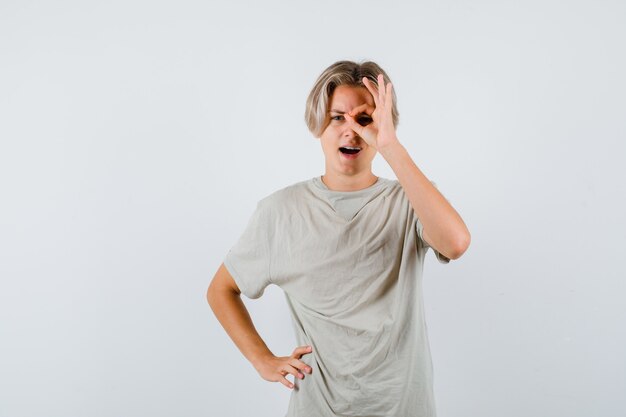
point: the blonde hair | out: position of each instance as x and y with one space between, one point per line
341 73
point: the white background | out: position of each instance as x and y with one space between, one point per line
137 137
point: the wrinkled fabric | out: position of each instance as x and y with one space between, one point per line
350 264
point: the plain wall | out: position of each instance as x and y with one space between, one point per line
137 137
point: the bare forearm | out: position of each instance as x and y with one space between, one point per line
234 317
445 227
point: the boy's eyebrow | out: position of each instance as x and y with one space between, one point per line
337 111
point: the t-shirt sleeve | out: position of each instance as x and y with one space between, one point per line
420 229
248 261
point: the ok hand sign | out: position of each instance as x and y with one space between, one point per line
381 132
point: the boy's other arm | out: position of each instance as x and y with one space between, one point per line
224 297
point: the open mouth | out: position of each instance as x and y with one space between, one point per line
349 150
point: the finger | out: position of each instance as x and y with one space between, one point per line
358 112
300 365
302 350
353 124
287 368
381 88
389 88
368 109
286 382
371 88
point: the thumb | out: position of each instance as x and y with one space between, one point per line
352 123
366 132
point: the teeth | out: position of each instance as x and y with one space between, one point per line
352 147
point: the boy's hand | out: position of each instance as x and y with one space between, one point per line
380 132
274 368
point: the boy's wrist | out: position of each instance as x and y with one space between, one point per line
391 149
260 357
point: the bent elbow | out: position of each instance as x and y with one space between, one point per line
461 246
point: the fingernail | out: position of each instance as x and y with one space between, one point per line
309 348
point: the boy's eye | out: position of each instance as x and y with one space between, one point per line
364 120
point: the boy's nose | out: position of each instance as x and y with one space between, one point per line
349 133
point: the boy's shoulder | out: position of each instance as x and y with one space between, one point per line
289 194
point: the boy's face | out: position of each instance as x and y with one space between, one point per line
337 134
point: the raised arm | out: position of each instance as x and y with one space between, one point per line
444 228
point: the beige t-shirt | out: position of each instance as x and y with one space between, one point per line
350 264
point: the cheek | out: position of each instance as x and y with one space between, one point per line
331 130
329 145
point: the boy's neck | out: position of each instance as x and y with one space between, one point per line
349 183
